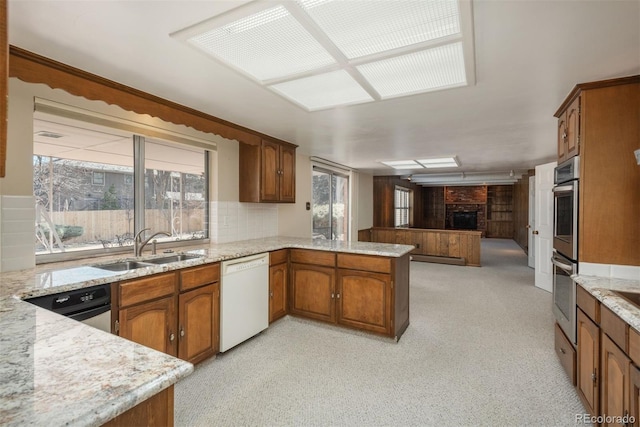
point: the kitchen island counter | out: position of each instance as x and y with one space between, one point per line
57 371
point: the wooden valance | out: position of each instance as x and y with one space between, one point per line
32 68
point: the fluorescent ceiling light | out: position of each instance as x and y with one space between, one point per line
440 162
323 91
402 164
385 48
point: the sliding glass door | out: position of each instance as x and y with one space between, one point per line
330 204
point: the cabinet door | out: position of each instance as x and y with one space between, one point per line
152 324
364 300
588 361
572 146
269 168
277 291
614 387
198 323
634 394
313 292
287 174
562 137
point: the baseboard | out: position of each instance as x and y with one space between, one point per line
439 259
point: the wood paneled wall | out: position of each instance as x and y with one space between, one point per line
4 88
383 201
521 211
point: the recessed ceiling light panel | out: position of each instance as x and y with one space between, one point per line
266 45
439 162
422 71
402 164
323 90
360 28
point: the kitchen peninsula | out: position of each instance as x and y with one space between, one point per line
61 371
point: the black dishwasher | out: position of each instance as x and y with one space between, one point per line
88 305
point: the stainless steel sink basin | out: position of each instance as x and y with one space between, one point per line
632 297
173 258
123 265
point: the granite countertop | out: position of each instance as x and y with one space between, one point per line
602 288
55 369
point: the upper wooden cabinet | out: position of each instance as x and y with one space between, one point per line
605 116
267 172
569 131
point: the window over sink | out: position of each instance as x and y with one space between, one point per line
87 199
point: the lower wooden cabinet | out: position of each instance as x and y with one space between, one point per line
155 411
364 300
634 394
277 291
198 323
588 362
614 390
364 292
566 354
313 292
177 313
152 324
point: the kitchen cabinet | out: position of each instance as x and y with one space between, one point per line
199 313
588 362
614 392
602 123
569 131
147 312
155 411
363 292
267 172
566 353
313 281
278 274
151 324
177 313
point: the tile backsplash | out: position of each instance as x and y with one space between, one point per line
231 221
629 272
17 219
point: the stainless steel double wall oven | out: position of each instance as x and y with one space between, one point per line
565 244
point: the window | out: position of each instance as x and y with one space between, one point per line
330 205
86 193
403 202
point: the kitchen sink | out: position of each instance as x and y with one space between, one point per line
632 297
123 265
173 258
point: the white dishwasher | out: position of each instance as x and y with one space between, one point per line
244 299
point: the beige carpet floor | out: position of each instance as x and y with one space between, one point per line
478 352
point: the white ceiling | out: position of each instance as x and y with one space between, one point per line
529 55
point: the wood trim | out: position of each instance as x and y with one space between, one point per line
615 327
4 88
594 85
32 68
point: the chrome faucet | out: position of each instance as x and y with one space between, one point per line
139 244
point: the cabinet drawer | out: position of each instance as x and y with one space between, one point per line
364 262
278 257
634 345
147 289
566 353
614 326
306 256
588 303
198 276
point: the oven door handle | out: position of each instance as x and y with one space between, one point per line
566 267
562 188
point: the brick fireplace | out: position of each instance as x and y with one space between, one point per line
461 200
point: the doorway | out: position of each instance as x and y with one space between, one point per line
330 204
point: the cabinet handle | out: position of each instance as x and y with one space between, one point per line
116 327
333 295
181 331
172 337
562 351
270 294
593 376
338 296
